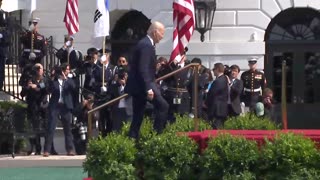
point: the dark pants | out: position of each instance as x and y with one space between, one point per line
66 116
160 109
182 108
217 122
251 99
119 116
2 68
105 123
231 112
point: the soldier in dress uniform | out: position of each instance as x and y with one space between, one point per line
101 90
254 82
34 45
175 88
4 42
203 81
68 54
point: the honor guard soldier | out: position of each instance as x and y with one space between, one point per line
34 45
102 80
68 54
175 89
254 82
203 81
4 42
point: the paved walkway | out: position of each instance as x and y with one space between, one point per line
38 168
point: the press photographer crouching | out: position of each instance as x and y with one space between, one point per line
79 131
34 87
60 105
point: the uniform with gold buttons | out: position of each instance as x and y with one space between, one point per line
34 45
254 82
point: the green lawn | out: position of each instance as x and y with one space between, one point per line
42 173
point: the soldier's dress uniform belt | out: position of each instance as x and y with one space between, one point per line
35 50
177 89
252 90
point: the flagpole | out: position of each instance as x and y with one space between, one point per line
103 53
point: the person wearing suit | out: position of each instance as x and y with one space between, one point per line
60 104
141 83
4 43
217 99
236 88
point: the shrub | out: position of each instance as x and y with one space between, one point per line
146 130
111 157
186 124
18 116
287 154
228 154
168 156
250 122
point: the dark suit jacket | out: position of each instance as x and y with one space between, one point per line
68 88
142 63
217 99
235 93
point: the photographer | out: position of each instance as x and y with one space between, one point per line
121 111
36 97
89 66
79 131
60 105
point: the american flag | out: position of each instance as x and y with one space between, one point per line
71 17
184 22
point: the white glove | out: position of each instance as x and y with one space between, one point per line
70 75
68 43
103 58
1 36
31 27
103 89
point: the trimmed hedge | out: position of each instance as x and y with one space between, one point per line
111 158
228 155
186 124
250 122
168 156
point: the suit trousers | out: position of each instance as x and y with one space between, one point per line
160 108
66 117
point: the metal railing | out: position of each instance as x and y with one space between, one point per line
194 97
15 50
14 53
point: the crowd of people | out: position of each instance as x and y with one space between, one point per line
59 94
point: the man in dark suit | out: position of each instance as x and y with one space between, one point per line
217 99
236 88
141 83
60 104
4 43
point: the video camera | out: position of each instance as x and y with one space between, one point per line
227 70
